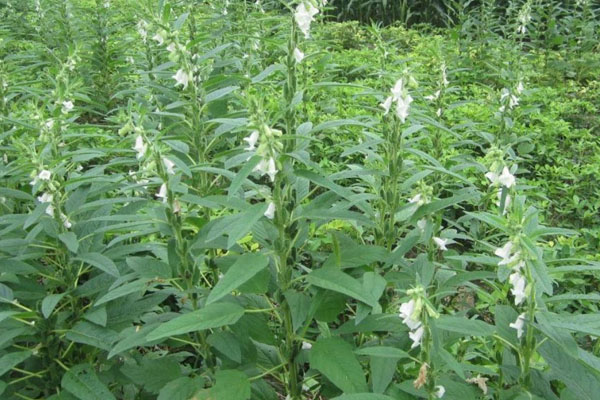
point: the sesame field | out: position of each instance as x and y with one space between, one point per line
306 200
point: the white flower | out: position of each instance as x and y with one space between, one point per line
65 220
140 146
513 101
298 55
518 283
518 325
47 198
141 28
251 140
398 89
182 78
506 178
416 337
67 106
169 166
438 112
434 96
106 4
44 175
421 224
441 243
520 87
402 106
439 391
171 48
270 213
406 313
306 346
304 16
267 167
162 193
386 105
444 76
159 38
493 177
49 124
416 199
504 252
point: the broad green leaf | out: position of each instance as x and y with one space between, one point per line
50 302
70 240
463 325
92 334
124 290
101 262
182 388
242 270
81 381
212 316
363 396
382 351
333 357
336 280
11 360
231 385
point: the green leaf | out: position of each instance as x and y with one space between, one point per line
82 382
50 302
124 290
243 173
101 262
217 94
336 280
149 268
242 270
581 380
11 360
70 240
92 334
465 326
382 351
333 357
212 316
363 396
182 388
231 385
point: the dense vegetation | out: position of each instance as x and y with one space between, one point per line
247 200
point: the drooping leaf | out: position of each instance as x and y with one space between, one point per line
242 270
81 381
334 358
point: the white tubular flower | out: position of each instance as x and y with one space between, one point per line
444 75
270 213
398 89
406 313
518 325
169 165
386 105
172 47
141 28
251 140
162 193
267 167
272 169
306 346
416 336
182 78
298 55
434 96
505 252
159 38
44 175
304 16
520 87
518 283
402 106
140 147
65 220
493 177
47 198
439 391
67 106
417 199
49 124
441 243
506 178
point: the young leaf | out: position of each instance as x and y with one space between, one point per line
81 381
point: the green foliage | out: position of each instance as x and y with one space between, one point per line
222 201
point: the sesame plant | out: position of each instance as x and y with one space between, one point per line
232 200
